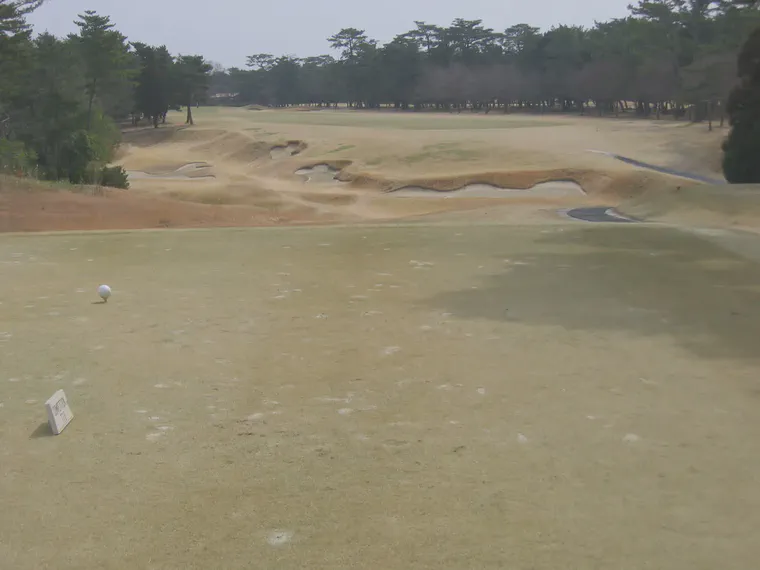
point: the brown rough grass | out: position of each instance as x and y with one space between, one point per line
699 204
449 152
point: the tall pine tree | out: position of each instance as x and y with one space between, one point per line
741 149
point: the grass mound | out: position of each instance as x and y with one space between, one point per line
702 204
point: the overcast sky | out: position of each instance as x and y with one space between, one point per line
226 31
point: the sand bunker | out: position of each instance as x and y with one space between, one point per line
548 189
320 173
191 171
291 149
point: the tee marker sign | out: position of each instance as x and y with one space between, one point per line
58 412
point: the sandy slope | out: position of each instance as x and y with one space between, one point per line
224 172
381 151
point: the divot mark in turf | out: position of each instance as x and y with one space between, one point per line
279 537
420 264
331 399
395 443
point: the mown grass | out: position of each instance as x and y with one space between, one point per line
443 151
341 148
401 120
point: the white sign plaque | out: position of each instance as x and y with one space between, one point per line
58 412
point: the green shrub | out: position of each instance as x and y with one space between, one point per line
114 176
15 158
105 136
77 155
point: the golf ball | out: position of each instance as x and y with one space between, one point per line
104 291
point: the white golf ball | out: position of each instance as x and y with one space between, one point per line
104 291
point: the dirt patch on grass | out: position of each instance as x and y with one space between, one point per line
332 199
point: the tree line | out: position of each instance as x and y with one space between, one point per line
668 56
62 99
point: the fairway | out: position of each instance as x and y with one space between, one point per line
547 396
390 119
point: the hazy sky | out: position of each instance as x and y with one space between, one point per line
226 31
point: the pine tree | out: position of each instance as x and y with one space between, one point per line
105 52
742 147
192 80
153 85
